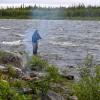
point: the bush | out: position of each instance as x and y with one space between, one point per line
37 63
7 93
44 84
88 87
11 71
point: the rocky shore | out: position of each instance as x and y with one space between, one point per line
34 79
17 62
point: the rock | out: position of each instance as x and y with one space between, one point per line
4 70
54 96
27 91
37 74
10 58
28 78
18 71
32 74
69 77
70 66
2 67
73 98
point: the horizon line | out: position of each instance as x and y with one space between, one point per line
39 5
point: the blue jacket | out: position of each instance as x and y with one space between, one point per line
35 37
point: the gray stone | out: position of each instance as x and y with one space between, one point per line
73 98
4 70
69 77
54 96
11 58
37 74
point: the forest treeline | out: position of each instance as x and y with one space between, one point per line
79 12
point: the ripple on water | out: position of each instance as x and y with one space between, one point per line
66 40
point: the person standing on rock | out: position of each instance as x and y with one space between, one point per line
35 38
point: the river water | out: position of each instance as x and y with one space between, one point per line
63 43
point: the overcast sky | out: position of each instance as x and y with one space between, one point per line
51 2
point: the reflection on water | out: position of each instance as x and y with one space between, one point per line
64 42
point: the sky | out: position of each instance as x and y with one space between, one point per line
65 3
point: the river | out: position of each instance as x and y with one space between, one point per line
64 42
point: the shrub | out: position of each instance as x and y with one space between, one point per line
7 93
36 63
88 87
44 84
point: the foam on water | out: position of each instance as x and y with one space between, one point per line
5 28
12 43
65 44
19 35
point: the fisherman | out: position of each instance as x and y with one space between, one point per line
35 38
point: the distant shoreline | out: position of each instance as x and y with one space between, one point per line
72 18
71 13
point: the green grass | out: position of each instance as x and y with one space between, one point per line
88 87
38 64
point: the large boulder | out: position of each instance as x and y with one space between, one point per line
11 59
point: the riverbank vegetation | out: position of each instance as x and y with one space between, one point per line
74 12
88 87
42 81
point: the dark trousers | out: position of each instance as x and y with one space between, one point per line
35 48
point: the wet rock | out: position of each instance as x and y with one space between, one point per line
10 58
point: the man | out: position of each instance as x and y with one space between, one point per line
35 38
